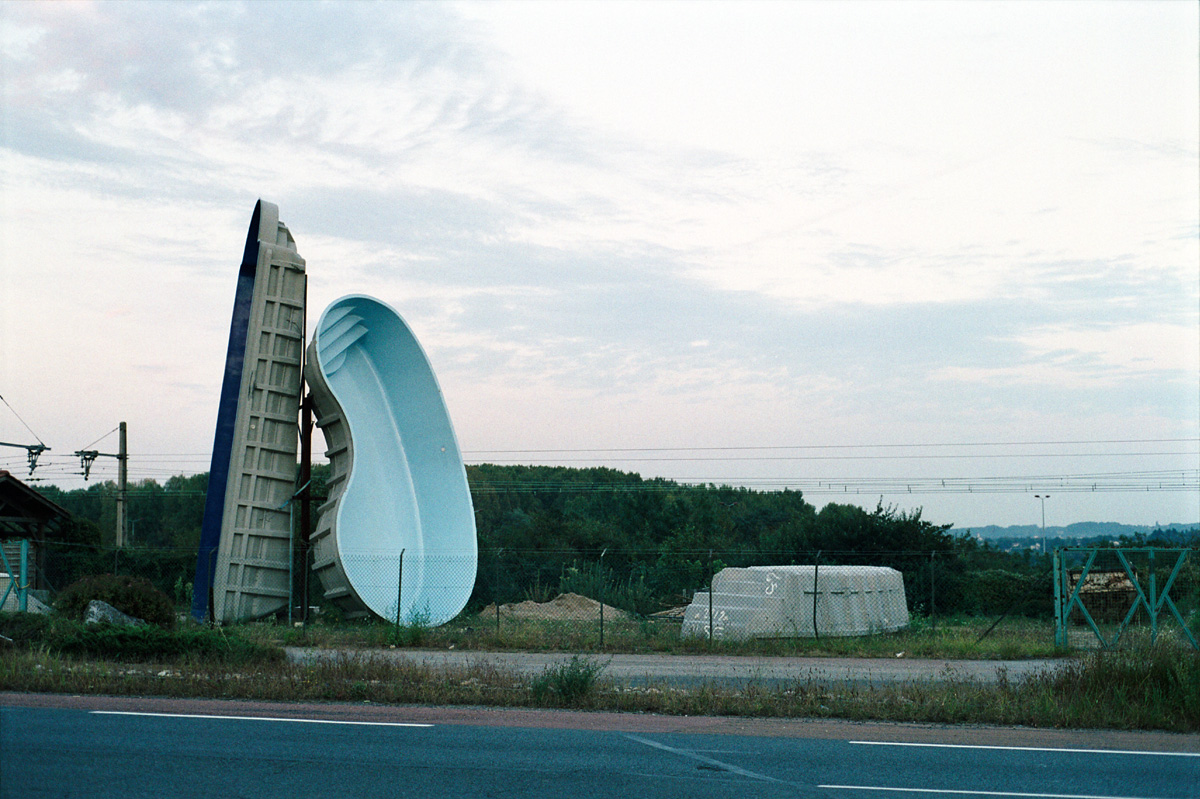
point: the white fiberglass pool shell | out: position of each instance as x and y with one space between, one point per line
397 482
798 602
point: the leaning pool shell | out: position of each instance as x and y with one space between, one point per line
397 482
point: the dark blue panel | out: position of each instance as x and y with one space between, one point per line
218 474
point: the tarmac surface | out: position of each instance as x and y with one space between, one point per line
723 670
122 747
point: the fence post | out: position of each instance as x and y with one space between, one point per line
710 593
291 558
399 593
816 574
932 591
1060 624
23 586
1152 610
212 600
496 588
602 581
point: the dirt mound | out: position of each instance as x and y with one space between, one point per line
564 607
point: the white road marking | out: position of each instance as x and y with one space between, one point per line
260 718
706 760
975 793
1031 749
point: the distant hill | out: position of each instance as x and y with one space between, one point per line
1111 530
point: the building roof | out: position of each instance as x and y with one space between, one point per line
24 513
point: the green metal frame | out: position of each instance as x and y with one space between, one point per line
18 580
1153 603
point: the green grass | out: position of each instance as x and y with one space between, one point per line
954 638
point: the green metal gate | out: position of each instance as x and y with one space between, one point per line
19 580
1105 589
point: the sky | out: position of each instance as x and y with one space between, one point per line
942 256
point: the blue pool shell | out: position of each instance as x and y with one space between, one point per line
406 486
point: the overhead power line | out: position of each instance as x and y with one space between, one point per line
962 456
22 421
757 448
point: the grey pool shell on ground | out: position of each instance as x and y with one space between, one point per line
397 482
798 602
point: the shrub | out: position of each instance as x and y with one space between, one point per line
23 628
566 683
134 644
414 631
134 596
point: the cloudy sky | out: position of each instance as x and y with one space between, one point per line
944 254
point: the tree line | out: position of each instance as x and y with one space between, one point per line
542 529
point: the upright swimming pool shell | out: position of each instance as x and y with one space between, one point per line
396 537
244 556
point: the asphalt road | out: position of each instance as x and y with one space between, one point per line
58 746
692 670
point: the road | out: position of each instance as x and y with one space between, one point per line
61 746
733 671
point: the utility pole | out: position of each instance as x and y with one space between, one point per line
1043 498
87 456
122 486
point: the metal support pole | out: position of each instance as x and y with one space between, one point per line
291 559
932 591
1060 623
306 427
602 581
496 589
816 592
399 594
1043 498
23 585
710 593
122 486
1152 608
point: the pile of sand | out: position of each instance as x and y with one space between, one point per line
564 607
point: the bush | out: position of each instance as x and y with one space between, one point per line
566 683
134 596
141 644
29 631
23 628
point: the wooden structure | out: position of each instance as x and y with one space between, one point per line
26 514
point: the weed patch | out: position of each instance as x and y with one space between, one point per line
567 683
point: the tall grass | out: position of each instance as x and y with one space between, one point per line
1156 688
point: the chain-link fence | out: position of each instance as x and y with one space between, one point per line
560 597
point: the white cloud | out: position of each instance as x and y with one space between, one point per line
766 223
1081 358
